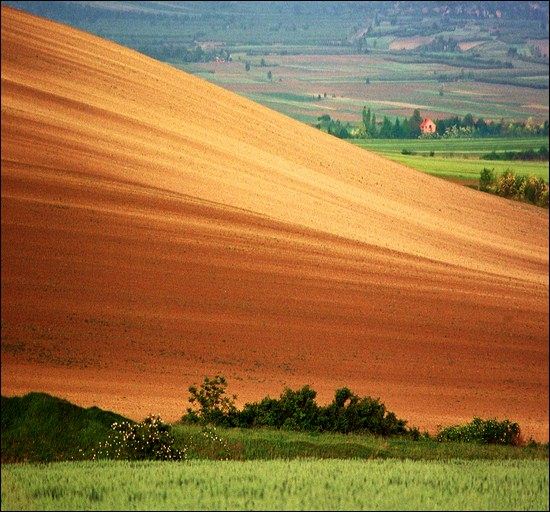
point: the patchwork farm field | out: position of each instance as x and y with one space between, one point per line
497 67
395 88
283 485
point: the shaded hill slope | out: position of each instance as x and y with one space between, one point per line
156 227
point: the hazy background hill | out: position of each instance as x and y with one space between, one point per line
446 58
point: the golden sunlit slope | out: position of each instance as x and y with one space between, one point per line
156 228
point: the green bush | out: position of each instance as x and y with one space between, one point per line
507 185
149 440
295 410
350 413
513 186
489 431
534 190
486 179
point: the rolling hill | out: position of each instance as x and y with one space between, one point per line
157 228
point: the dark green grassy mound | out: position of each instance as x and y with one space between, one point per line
38 427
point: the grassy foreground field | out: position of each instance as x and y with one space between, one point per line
459 158
282 485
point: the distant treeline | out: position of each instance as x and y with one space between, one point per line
512 81
453 127
183 53
528 154
456 60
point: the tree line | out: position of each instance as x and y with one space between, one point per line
409 127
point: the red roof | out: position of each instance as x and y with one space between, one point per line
425 122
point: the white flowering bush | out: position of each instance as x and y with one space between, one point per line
217 447
149 440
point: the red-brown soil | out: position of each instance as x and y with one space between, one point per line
409 43
157 228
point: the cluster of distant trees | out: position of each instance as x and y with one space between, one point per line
406 128
481 128
441 44
527 154
409 128
184 53
336 128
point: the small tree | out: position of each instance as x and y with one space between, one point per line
414 123
486 179
211 403
269 75
247 66
366 115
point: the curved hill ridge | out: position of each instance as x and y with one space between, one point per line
156 227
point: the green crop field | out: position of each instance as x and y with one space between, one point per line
459 158
456 147
280 485
466 169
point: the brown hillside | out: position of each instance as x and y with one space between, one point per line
157 228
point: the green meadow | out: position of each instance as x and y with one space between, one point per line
463 147
459 158
277 485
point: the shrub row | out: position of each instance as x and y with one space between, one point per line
513 186
295 410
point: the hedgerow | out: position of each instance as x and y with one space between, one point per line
295 410
513 186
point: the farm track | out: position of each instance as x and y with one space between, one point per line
156 228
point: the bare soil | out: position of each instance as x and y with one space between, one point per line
157 228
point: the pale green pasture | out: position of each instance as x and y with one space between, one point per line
459 158
474 146
467 169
